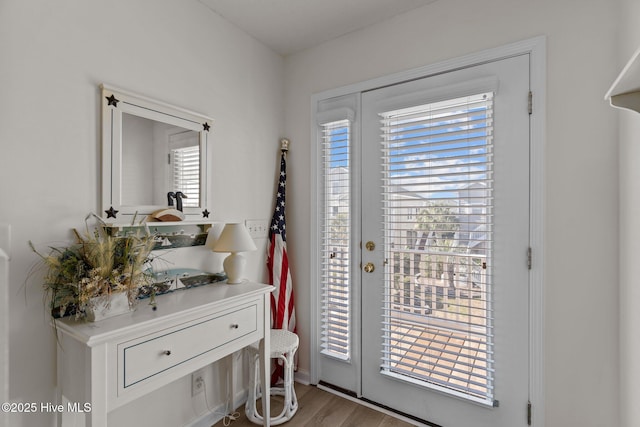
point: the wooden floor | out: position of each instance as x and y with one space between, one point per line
320 408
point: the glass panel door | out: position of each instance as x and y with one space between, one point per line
445 170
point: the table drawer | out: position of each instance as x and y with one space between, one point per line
147 357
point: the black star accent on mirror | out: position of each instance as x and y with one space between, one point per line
205 213
111 213
206 126
112 100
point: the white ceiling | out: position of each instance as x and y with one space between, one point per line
288 26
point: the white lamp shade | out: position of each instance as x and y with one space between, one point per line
234 238
213 235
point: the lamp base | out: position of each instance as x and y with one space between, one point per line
234 267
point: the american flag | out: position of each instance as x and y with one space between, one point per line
283 314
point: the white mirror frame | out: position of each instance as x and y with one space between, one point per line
115 103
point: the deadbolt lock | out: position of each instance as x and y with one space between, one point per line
370 245
369 267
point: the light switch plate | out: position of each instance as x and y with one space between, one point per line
258 228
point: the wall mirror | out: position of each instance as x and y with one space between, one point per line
149 150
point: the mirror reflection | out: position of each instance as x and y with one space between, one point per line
158 158
154 157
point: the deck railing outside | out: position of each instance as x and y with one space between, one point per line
447 286
438 314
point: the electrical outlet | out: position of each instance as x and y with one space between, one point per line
197 382
258 228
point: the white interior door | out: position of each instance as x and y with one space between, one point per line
444 287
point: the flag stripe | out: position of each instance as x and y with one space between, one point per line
283 284
270 267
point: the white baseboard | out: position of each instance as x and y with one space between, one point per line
302 377
210 418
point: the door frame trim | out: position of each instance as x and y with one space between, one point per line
536 48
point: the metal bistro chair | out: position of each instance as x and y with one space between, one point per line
283 346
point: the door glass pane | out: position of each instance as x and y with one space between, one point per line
437 201
336 232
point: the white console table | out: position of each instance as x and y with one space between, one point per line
109 363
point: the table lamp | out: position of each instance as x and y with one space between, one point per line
234 238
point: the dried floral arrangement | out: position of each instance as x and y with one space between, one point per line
96 265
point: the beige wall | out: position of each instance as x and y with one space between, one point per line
629 174
581 193
54 56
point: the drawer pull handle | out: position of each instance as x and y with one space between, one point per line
167 352
235 326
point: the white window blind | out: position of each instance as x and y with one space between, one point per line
437 194
335 217
185 165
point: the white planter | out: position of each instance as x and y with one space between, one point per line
108 306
